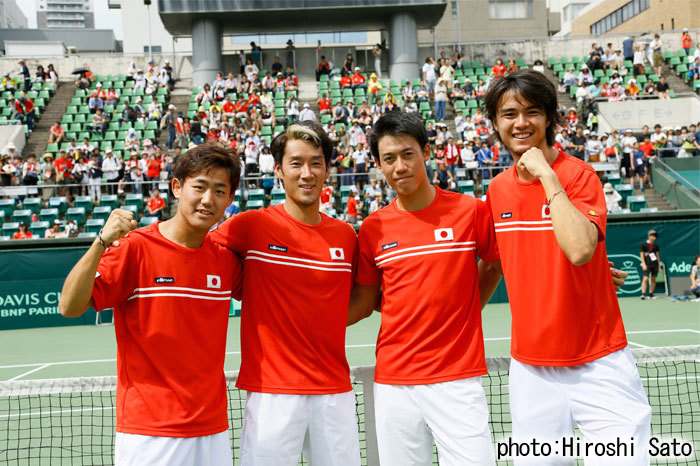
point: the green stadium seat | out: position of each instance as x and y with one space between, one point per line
675 61
256 204
52 147
84 202
613 179
134 200
636 203
278 193
33 204
78 214
101 212
668 54
9 228
625 190
39 228
111 200
648 210
22 215
466 186
59 203
256 194
94 225
7 206
145 221
87 234
131 208
48 215
275 202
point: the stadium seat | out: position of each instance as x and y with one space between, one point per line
647 210
636 203
77 214
465 187
39 228
22 215
9 228
33 204
5 238
94 225
135 200
256 204
145 221
48 215
102 212
110 200
7 206
59 203
485 186
625 190
275 202
87 234
84 202
278 193
256 194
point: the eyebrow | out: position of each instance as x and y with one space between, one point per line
400 151
509 109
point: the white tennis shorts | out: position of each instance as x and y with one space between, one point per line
604 397
277 428
452 414
208 450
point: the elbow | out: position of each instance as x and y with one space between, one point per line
582 255
68 310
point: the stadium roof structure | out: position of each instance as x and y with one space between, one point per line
260 16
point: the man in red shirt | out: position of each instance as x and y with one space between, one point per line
96 99
155 205
430 348
63 166
29 112
686 41
228 108
345 81
570 360
293 363
324 104
241 107
358 80
171 298
352 206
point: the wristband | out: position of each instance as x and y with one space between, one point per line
549 202
99 238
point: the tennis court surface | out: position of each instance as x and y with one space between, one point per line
58 384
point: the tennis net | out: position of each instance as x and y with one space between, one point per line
71 421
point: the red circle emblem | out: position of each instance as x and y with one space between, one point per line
443 234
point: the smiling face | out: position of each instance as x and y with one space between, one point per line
402 161
303 172
520 124
203 198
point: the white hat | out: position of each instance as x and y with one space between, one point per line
357 68
306 105
167 61
99 84
11 145
608 188
585 131
108 150
171 107
628 130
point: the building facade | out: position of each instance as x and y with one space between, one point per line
621 16
65 14
569 10
11 17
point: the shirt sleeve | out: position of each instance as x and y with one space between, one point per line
586 194
232 234
486 245
367 271
117 275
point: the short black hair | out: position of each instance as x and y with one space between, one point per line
205 157
394 124
307 131
533 87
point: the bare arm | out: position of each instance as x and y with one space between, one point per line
490 274
641 257
76 296
363 300
577 236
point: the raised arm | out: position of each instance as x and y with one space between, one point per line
363 300
76 296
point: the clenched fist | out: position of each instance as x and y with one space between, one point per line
119 223
534 162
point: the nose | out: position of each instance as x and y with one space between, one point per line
520 120
207 197
306 171
400 164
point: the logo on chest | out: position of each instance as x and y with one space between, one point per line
545 211
213 281
337 254
389 245
444 234
274 247
507 215
165 280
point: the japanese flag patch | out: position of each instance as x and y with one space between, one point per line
545 211
337 254
444 234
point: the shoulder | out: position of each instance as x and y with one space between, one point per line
573 167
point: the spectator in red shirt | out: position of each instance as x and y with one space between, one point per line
324 105
153 168
358 80
512 65
352 207
324 67
228 108
156 205
63 167
254 100
241 107
498 70
22 232
345 81
56 133
686 41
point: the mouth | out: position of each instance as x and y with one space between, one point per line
521 136
203 213
307 188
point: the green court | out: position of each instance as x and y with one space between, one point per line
71 421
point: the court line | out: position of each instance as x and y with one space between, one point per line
29 372
43 365
637 344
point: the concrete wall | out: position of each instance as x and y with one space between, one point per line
635 114
661 15
476 25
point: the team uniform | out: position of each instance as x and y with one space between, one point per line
170 320
430 348
296 289
570 356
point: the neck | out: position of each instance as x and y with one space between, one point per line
418 200
308 214
550 155
179 232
